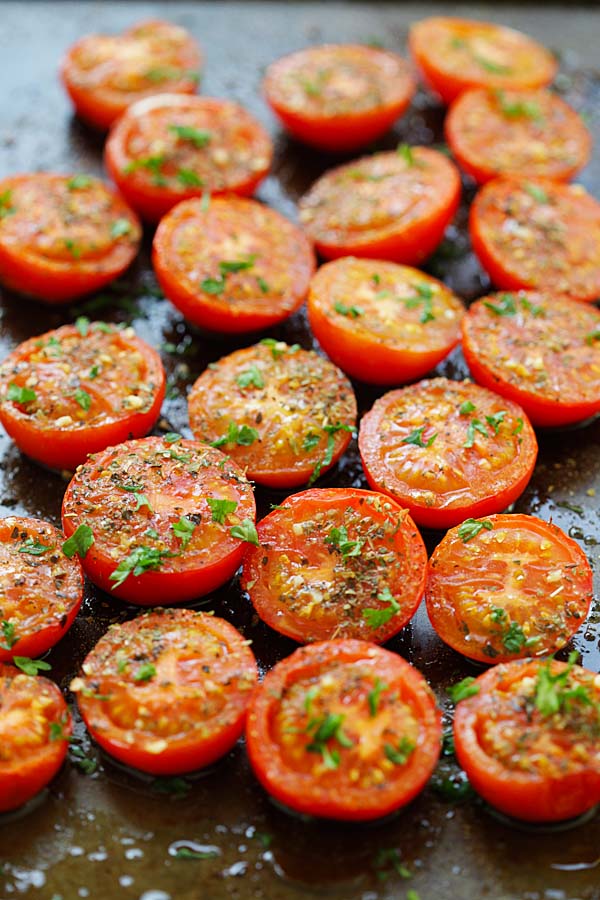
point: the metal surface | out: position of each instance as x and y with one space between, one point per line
112 833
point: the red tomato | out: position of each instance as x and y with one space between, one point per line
35 726
392 206
339 562
541 350
447 450
528 739
167 692
380 322
233 265
78 389
538 234
344 730
206 146
41 589
507 586
532 133
339 96
63 236
284 414
159 520
457 54
103 74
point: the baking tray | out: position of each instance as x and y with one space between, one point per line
112 834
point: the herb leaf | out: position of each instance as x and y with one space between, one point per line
338 538
246 531
470 528
330 431
220 509
79 543
242 435
399 755
184 529
31 666
198 137
120 227
463 689
141 559
416 438
10 638
505 305
378 617
351 311
145 672
22 395
83 399
251 377
34 548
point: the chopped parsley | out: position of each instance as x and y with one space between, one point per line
338 538
141 559
374 695
120 227
220 509
79 182
197 136
470 528
330 431
6 207
189 178
79 543
553 693
184 529
400 754
146 672
505 305
351 311
34 548
463 689
246 531
31 666
535 191
8 632
323 729
406 152
251 377
416 438
18 394
378 617
83 399
242 435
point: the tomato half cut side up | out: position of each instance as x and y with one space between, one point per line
507 586
527 738
104 74
159 520
337 562
457 54
338 96
540 350
41 588
207 146
393 206
343 730
380 322
284 414
167 692
516 133
232 265
78 389
539 235
63 236
447 450
35 726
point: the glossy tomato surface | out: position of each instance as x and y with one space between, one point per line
282 413
338 96
207 146
541 350
381 322
63 236
35 725
41 588
457 54
105 73
78 389
507 586
447 450
344 730
522 133
336 562
528 739
368 207
538 234
162 520
167 692
232 265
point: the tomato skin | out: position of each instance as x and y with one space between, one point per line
359 121
527 795
173 491
332 794
41 593
557 334
66 445
563 260
434 41
100 104
283 255
380 351
148 120
463 486
175 653
30 758
32 259
487 594
547 140
400 231
396 561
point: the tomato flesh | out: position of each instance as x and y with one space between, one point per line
339 562
527 761
35 726
81 389
344 730
167 692
380 322
147 505
234 266
447 450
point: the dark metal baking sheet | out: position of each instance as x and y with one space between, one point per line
111 834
